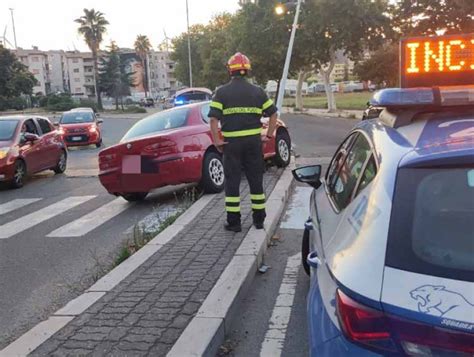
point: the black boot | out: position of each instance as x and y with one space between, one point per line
258 218
235 227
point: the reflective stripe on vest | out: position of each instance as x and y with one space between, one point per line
267 104
242 110
217 105
239 133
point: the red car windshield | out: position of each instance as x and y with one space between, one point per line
77 118
7 129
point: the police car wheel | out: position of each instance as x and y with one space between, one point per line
283 149
305 251
134 196
212 173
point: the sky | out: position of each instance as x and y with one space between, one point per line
49 24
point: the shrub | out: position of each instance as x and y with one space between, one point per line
17 103
88 103
134 109
60 102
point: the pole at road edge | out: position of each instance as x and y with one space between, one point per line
189 48
286 68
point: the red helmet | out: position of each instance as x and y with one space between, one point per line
238 62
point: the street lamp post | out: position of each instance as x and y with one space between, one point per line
286 68
189 48
14 30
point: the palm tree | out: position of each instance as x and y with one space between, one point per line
92 26
142 48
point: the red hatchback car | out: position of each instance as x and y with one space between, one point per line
80 127
173 147
29 145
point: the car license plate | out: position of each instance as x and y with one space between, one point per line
132 164
76 138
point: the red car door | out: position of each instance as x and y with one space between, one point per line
31 150
49 147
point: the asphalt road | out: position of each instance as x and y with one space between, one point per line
58 233
44 261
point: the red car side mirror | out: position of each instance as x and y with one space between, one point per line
31 137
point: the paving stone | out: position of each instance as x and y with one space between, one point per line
147 312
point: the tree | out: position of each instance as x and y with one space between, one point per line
113 78
180 55
92 26
382 68
15 79
350 26
142 48
427 17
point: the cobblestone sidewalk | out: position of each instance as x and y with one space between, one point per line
147 312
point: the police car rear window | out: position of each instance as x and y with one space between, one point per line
432 224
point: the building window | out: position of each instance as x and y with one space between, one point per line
35 59
78 90
76 70
75 60
77 79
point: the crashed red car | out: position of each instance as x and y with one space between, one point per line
174 147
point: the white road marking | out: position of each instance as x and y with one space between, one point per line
22 224
298 209
272 345
92 220
16 204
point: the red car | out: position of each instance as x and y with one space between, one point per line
173 147
80 127
29 145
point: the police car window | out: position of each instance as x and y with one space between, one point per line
204 111
432 230
369 174
44 125
338 160
350 172
169 119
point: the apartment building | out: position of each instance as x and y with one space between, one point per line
73 72
161 69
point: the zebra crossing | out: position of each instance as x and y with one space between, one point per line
76 228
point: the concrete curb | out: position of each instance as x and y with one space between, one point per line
206 331
35 337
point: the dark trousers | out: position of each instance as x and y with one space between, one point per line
244 153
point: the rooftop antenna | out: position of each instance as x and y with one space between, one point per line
166 41
14 31
4 38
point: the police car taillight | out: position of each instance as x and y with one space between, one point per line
378 331
363 325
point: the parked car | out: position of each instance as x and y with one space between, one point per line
147 102
371 112
80 127
389 242
192 95
29 145
173 147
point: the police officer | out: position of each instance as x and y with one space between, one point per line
239 106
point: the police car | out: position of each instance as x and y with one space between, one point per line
390 241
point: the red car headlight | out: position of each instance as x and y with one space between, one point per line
93 129
4 152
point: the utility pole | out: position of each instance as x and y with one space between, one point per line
289 52
14 30
189 48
